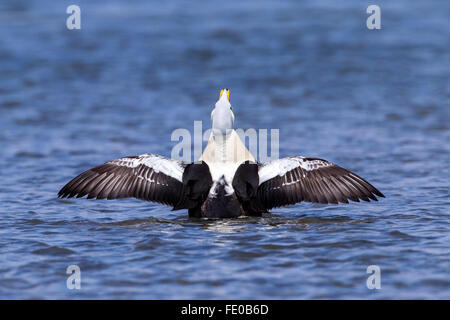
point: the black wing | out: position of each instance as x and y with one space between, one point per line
147 177
295 179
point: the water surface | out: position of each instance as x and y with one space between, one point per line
375 102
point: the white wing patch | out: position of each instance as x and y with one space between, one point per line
171 168
280 167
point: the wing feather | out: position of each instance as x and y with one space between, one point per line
295 179
147 177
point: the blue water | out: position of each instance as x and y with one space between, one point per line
375 102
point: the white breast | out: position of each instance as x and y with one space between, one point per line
224 154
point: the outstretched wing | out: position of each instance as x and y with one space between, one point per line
147 177
290 180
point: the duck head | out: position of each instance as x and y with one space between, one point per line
222 117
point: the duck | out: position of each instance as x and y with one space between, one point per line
226 182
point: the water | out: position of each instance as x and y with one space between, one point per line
376 102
